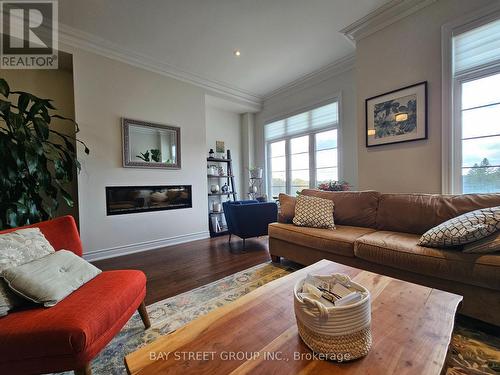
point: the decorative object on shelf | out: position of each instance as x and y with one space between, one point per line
216 207
220 170
212 170
255 185
215 224
220 149
225 188
335 186
397 116
36 162
163 143
256 172
211 153
214 188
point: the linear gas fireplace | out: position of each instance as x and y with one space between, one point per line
132 199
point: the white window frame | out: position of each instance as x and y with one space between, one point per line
312 145
451 181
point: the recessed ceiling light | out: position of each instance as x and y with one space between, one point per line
237 52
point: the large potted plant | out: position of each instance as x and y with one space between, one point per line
36 161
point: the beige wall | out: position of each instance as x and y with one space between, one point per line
56 85
402 54
105 91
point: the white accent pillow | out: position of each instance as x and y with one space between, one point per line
16 248
50 279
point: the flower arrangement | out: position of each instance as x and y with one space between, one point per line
334 186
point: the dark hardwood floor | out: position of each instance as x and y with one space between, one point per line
179 268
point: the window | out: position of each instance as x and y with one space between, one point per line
302 150
476 114
480 117
326 156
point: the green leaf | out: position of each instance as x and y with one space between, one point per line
59 169
67 198
23 101
48 103
41 128
12 218
4 87
4 106
31 161
35 109
45 114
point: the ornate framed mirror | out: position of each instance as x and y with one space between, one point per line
150 145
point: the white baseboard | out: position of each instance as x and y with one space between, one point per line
143 246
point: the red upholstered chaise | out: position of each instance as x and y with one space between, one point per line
69 335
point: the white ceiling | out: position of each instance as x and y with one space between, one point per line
280 40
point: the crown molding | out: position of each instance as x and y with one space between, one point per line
382 17
335 68
69 36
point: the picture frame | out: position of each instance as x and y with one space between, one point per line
397 116
150 145
219 147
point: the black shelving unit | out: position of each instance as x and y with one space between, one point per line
230 195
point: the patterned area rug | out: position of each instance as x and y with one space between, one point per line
471 351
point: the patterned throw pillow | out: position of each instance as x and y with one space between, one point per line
463 229
486 245
16 248
314 212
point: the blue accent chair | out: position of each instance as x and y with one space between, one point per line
247 219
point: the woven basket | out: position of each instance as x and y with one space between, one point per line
337 333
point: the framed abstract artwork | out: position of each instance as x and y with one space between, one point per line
397 116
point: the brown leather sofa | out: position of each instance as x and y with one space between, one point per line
379 232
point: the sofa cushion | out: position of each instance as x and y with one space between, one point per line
82 323
287 208
354 208
401 251
338 241
417 213
490 244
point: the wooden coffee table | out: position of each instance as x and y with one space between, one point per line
411 328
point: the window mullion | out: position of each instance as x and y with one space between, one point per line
312 160
288 166
457 139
